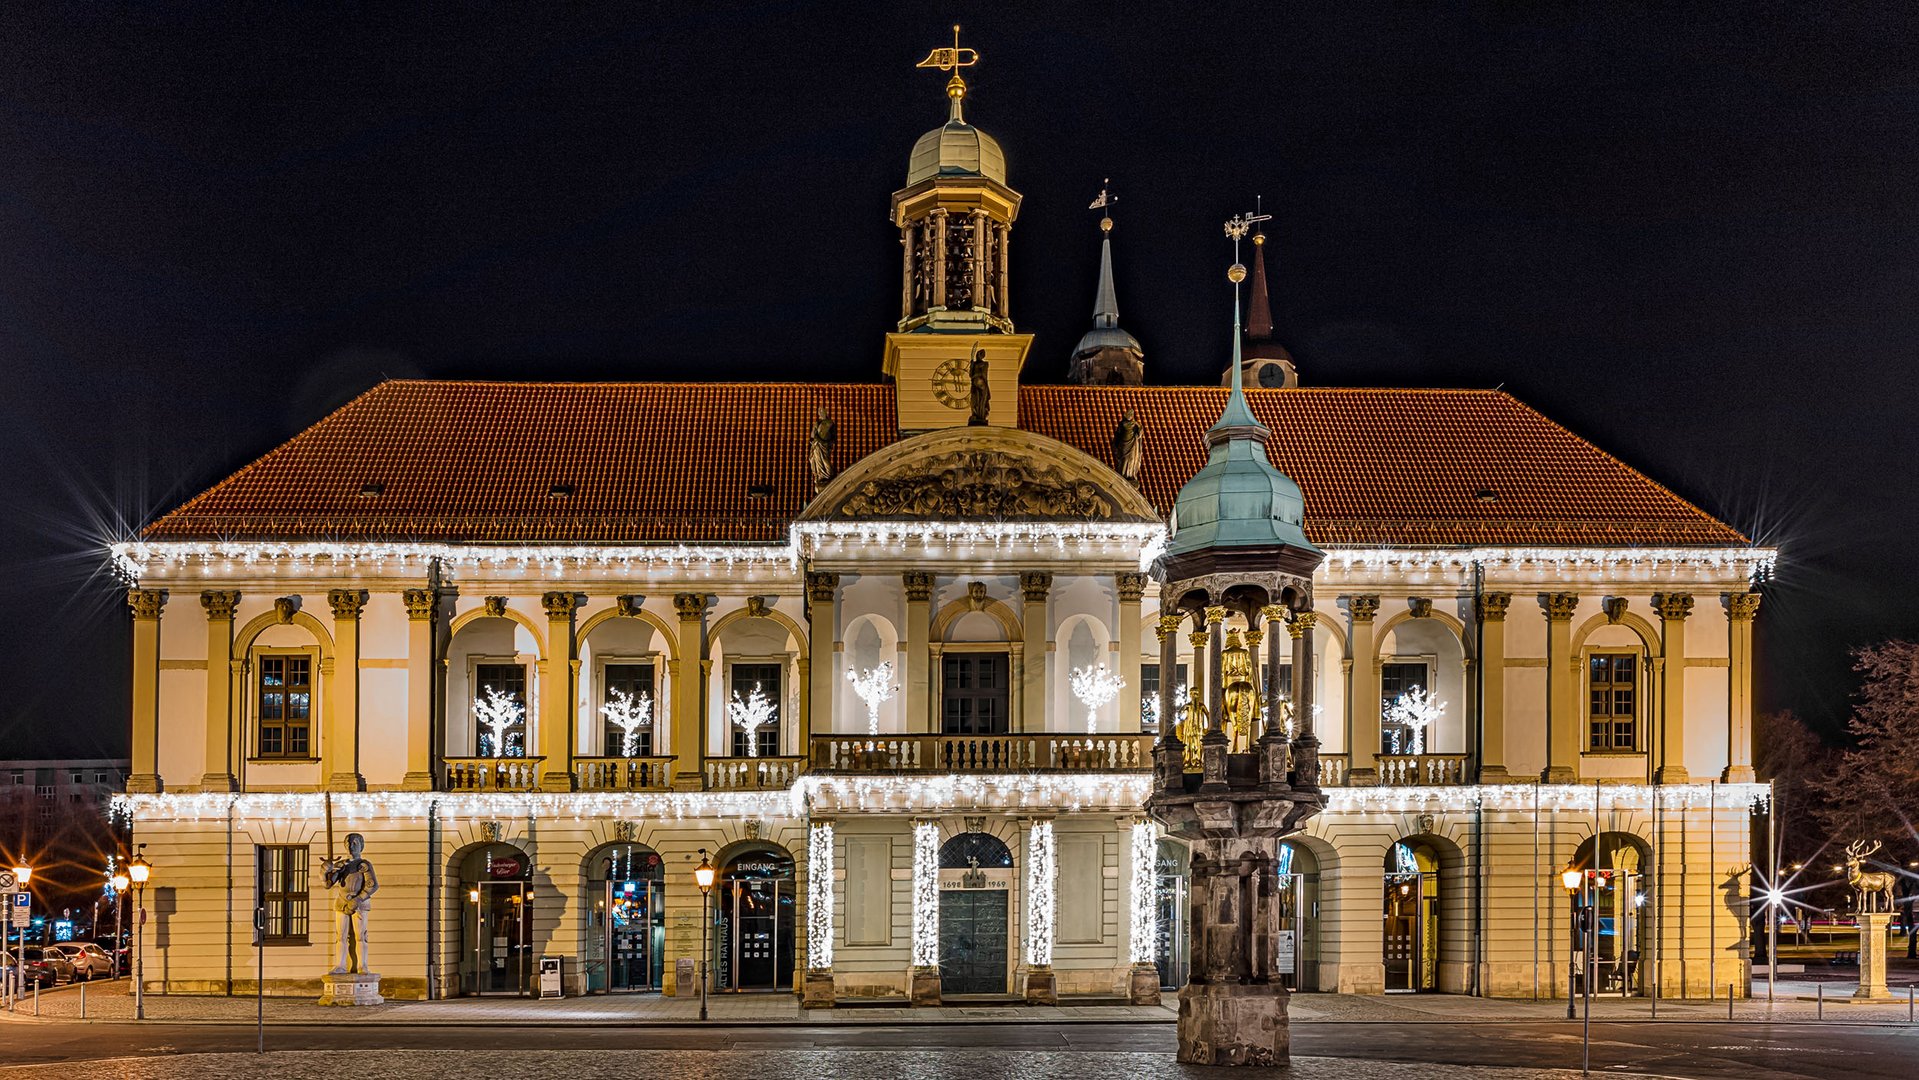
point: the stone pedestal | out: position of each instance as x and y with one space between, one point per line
1041 987
816 990
1233 1024
1142 988
926 986
337 988
1872 957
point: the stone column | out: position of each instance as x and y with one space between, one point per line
1562 690
1003 294
1168 752
1034 585
982 248
1279 634
341 750
1306 728
219 605
1215 747
906 272
1872 956
919 651
1740 609
1363 704
689 718
1197 691
1132 588
823 602
146 604
556 692
939 258
1492 702
1673 608
421 609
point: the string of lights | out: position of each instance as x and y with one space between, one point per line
819 896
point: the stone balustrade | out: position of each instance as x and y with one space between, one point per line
622 773
1332 770
753 773
1039 752
493 774
1422 770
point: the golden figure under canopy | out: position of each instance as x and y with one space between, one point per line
1192 728
1242 694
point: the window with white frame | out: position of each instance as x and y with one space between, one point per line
1612 680
285 704
635 679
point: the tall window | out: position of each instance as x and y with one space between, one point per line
286 705
1614 682
1395 679
1149 692
975 695
635 680
509 679
744 678
283 892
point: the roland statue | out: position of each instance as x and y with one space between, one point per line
357 882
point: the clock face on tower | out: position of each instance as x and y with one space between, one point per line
953 384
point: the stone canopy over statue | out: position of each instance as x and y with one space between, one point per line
352 981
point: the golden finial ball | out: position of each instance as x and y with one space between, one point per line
1105 224
1259 239
1236 273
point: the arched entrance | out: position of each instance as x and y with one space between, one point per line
626 919
1171 879
1623 919
976 877
496 924
754 921
1412 917
1298 944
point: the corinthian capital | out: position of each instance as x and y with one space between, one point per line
146 603
1363 607
1672 606
691 606
1132 586
1034 585
1492 606
919 585
821 587
419 604
346 603
1742 605
220 603
560 605
1559 606
1168 625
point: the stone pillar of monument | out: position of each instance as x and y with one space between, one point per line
1873 944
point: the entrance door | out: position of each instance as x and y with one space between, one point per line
1170 901
635 935
756 936
973 941
504 943
1403 944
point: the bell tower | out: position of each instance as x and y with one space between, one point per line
955 217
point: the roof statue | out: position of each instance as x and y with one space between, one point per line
1106 355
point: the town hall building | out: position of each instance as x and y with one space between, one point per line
893 659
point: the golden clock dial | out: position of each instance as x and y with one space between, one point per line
953 384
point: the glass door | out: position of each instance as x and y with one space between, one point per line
503 938
756 935
635 935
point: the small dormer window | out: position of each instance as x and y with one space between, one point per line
372 490
560 491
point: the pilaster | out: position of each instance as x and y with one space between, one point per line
1741 608
146 605
689 716
1491 610
1363 703
1673 609
822 605
340 753
919 655
421 609
1131 589
556 692
1562 689
219 605
1034 586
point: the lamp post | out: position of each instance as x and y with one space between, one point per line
120 881
703 877
22 873
138 870
1571 879
479 937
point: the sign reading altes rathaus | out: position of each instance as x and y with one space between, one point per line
964 684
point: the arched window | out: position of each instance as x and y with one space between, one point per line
975 849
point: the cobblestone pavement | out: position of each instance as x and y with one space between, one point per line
839 1064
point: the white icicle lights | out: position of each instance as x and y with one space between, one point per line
1042 875
1144 936
1094 686
629 713
498 713
750 714
819 896
926 894
875 687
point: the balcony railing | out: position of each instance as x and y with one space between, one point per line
493 774
753 774
1043 752
622 774
1332 770
1422 770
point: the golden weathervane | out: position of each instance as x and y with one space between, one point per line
952 60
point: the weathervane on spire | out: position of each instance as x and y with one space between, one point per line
952 60
1236 228
1104 201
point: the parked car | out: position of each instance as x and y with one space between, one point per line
117 950
44 967
89 960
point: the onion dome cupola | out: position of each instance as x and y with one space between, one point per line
1106 355
955 216
1266 363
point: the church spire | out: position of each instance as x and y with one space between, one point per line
1266 363
1106 355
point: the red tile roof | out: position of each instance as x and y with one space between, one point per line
726 463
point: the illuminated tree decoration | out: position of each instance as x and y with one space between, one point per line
1094 686
751 714
819 896
1042 874
1145 923
926 894
499 712
628 713
1416 712
875 687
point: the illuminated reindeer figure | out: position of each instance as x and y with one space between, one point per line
1867 883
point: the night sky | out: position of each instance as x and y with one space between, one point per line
1690 237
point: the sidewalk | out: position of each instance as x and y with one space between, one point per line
1795 1003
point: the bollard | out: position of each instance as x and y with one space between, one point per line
1908 1004
1729 989
36 997
83 999
1821 1014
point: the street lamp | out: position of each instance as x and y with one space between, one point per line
138 870
1571 879
22 873
703 877
120 882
